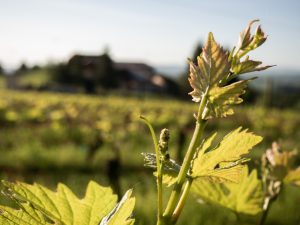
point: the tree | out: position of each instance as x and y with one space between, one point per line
22 69
1 70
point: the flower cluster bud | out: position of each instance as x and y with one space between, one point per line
163 144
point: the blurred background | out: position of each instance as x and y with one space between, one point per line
76 75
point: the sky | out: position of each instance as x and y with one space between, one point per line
158 32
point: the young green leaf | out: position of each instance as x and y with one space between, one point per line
206 77
247 66
247 43
244 197
221 98
212 67
223 162
39 205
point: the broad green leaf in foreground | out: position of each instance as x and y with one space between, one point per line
39 205
245 197
224 161
205 78
220 163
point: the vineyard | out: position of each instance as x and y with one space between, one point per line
50 138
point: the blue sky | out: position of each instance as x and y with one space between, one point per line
159 32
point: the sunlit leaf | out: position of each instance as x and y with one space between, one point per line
224 161
121 212
247 66
205 79
39 205
221 98
244 197
249 42
212 67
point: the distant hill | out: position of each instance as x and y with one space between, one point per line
280 77
172 71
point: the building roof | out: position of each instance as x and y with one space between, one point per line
139 69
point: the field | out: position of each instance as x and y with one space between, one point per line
50 138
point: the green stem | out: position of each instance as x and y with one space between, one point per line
182 200
245 52
267 205
159 192
175 195
238 218
265 213
159 174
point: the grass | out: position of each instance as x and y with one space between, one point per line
35 79
45 138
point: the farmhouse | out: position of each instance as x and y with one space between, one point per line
128 76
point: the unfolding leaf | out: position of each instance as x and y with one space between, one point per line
244 197
249 42
212 67
247 66
245 37
205 79
42 206
224 161
221 98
